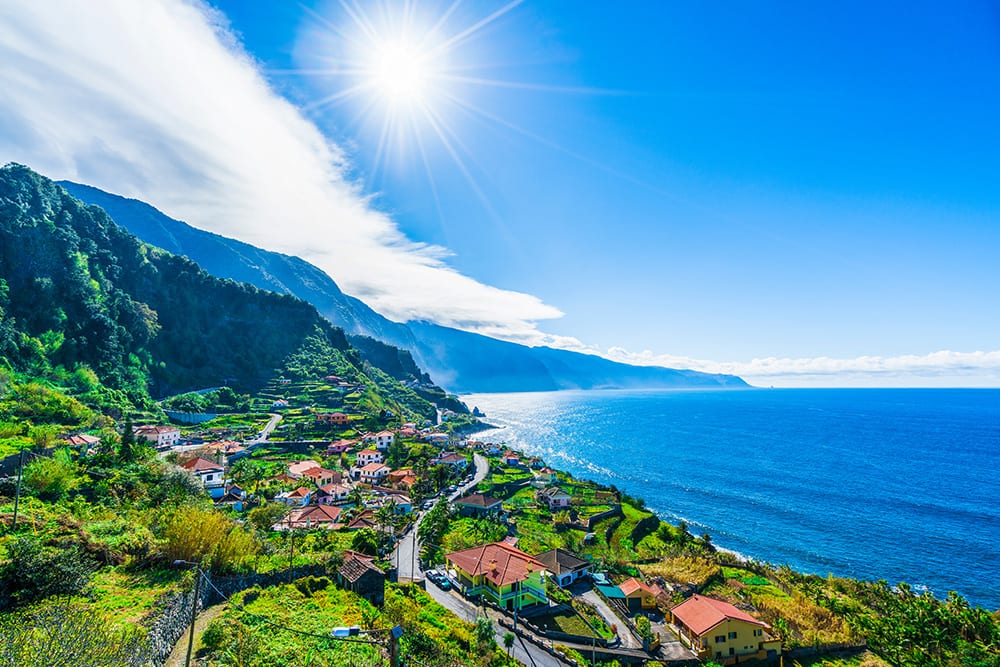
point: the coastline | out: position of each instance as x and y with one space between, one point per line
769 513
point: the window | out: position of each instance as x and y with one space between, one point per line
732 635
758 633
732 651
720 639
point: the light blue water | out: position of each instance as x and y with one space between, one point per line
894 484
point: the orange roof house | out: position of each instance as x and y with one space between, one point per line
501 572
723 632
638 594
314 516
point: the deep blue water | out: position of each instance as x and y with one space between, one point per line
894 484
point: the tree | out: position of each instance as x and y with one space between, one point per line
483 633
365 541
177 486
508 642
126 450
267 515
245 472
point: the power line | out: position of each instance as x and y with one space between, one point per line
242 609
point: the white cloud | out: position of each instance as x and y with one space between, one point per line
156 100
937 369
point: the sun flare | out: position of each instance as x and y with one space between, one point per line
400 72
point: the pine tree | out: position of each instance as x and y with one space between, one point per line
126 450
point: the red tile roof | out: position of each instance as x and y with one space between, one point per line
701 614
500 563
314 515
82 439
478 500
320 473
373 467
201 465
630 586
364 520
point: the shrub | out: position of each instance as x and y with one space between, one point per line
67 633
34 572
52 478
206 536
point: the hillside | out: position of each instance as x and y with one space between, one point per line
460 361
78 291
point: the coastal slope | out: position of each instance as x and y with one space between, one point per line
457 360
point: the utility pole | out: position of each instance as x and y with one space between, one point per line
194 606
17 494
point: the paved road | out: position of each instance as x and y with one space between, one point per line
407 553
523 652
266 431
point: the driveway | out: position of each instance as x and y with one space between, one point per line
625 636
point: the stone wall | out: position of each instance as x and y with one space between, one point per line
167 625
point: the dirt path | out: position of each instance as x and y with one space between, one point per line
179 653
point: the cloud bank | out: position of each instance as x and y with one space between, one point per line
944 368
157 100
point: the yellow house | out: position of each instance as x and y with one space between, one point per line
719 631
638 595
501 573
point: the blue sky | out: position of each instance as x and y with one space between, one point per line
797 192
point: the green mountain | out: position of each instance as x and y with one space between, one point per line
78 291
461 361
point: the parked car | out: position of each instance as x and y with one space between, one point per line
438 578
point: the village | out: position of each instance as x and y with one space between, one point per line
490 532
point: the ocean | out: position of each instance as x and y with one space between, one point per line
893 484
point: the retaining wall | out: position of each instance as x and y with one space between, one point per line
167 625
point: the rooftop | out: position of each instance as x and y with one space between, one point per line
499 562
478 500
560 561
701 614
201 465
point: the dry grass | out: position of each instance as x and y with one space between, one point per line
684 569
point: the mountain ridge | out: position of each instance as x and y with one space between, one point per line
80 294
461 361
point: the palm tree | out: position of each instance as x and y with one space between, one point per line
508 642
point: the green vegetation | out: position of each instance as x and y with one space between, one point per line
266 626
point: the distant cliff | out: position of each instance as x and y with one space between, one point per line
457 360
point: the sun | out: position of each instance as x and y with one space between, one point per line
400 72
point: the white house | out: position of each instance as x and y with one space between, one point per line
333 494
564 566
210 473
554 497
374 473
382 440
160 437
300 497
367 456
